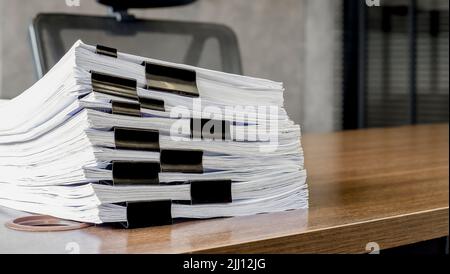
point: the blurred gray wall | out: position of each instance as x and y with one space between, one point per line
292 41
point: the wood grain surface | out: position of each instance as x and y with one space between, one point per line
387 186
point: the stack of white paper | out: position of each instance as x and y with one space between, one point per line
105 130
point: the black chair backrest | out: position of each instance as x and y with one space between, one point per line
206 45
139 4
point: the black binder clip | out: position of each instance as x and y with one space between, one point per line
210 129
135 173
145 214
211 192
136 139
114 85
184 161
126 108
107 51
134 108
125 88
171 79
154 104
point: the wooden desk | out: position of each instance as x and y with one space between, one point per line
388 186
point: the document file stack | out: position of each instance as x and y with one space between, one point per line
108 137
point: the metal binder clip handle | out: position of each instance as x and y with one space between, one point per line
211 192
135 173
107 51
126 108
184 161
114 85
210 129
145 214
171 79
136 139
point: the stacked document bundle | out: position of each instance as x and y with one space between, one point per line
108 137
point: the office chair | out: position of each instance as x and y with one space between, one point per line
207 45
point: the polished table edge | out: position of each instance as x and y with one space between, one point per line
408 229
